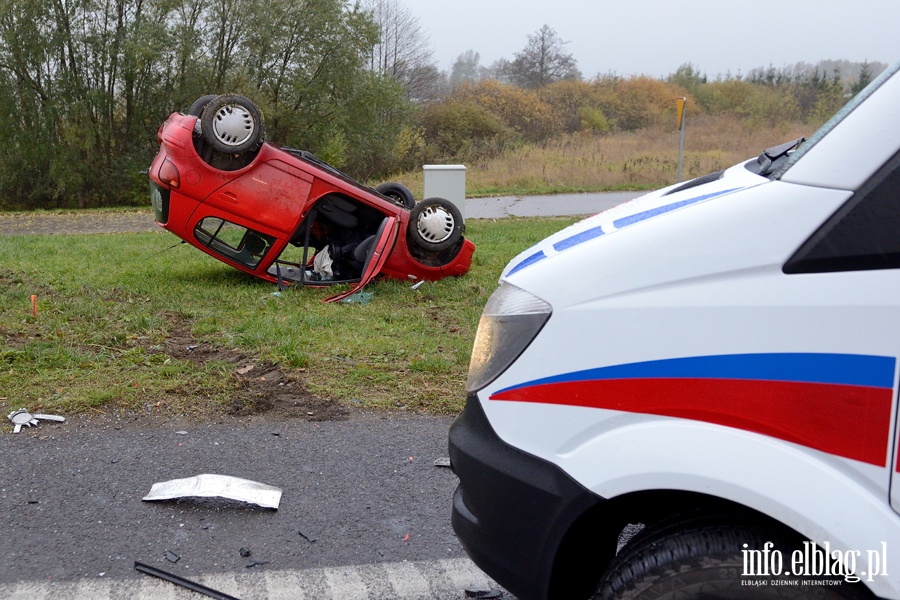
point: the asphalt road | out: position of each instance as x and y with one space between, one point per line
544 206
74 222
372 506
373 509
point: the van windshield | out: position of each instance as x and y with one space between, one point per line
837 118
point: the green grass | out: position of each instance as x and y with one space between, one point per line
113 310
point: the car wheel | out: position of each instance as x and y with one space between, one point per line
231 124
199 104
702 559
435 224
397 192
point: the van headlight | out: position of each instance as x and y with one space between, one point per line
512 318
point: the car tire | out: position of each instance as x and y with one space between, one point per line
435 224
231 124
702 558
196 109
397 192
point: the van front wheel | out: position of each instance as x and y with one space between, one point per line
701 559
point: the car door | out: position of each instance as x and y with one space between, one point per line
376 257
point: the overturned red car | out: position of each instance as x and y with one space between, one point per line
287 217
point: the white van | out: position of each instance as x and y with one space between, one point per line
694 395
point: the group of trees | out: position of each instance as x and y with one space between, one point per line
84 85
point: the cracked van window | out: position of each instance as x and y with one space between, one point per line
233 241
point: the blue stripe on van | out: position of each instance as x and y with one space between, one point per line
537 256
578 238
839 369
659 210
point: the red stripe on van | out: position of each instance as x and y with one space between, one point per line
845 420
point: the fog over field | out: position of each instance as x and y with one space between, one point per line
655 37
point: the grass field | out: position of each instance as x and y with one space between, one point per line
640 160
126 323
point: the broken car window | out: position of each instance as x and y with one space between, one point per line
233 241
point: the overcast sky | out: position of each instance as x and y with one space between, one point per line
655 37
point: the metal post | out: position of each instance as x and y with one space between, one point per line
680 102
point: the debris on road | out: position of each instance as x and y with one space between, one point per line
307 534
245 552
255 563
171 556
23 417
490 593
223 486
442 462
185 583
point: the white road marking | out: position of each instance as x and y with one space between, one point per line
446 579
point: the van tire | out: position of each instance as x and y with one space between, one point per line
701 559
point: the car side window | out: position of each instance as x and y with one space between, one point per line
864 234
233 241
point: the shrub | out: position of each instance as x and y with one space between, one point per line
569 100
463 129
522 110
593 119
760 105
636 102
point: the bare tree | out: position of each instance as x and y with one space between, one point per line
542 61
403 51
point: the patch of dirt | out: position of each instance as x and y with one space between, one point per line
261 387
76 222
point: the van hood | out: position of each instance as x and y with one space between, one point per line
630 214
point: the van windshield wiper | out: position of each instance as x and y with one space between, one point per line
770 157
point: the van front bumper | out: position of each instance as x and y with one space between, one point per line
511 510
